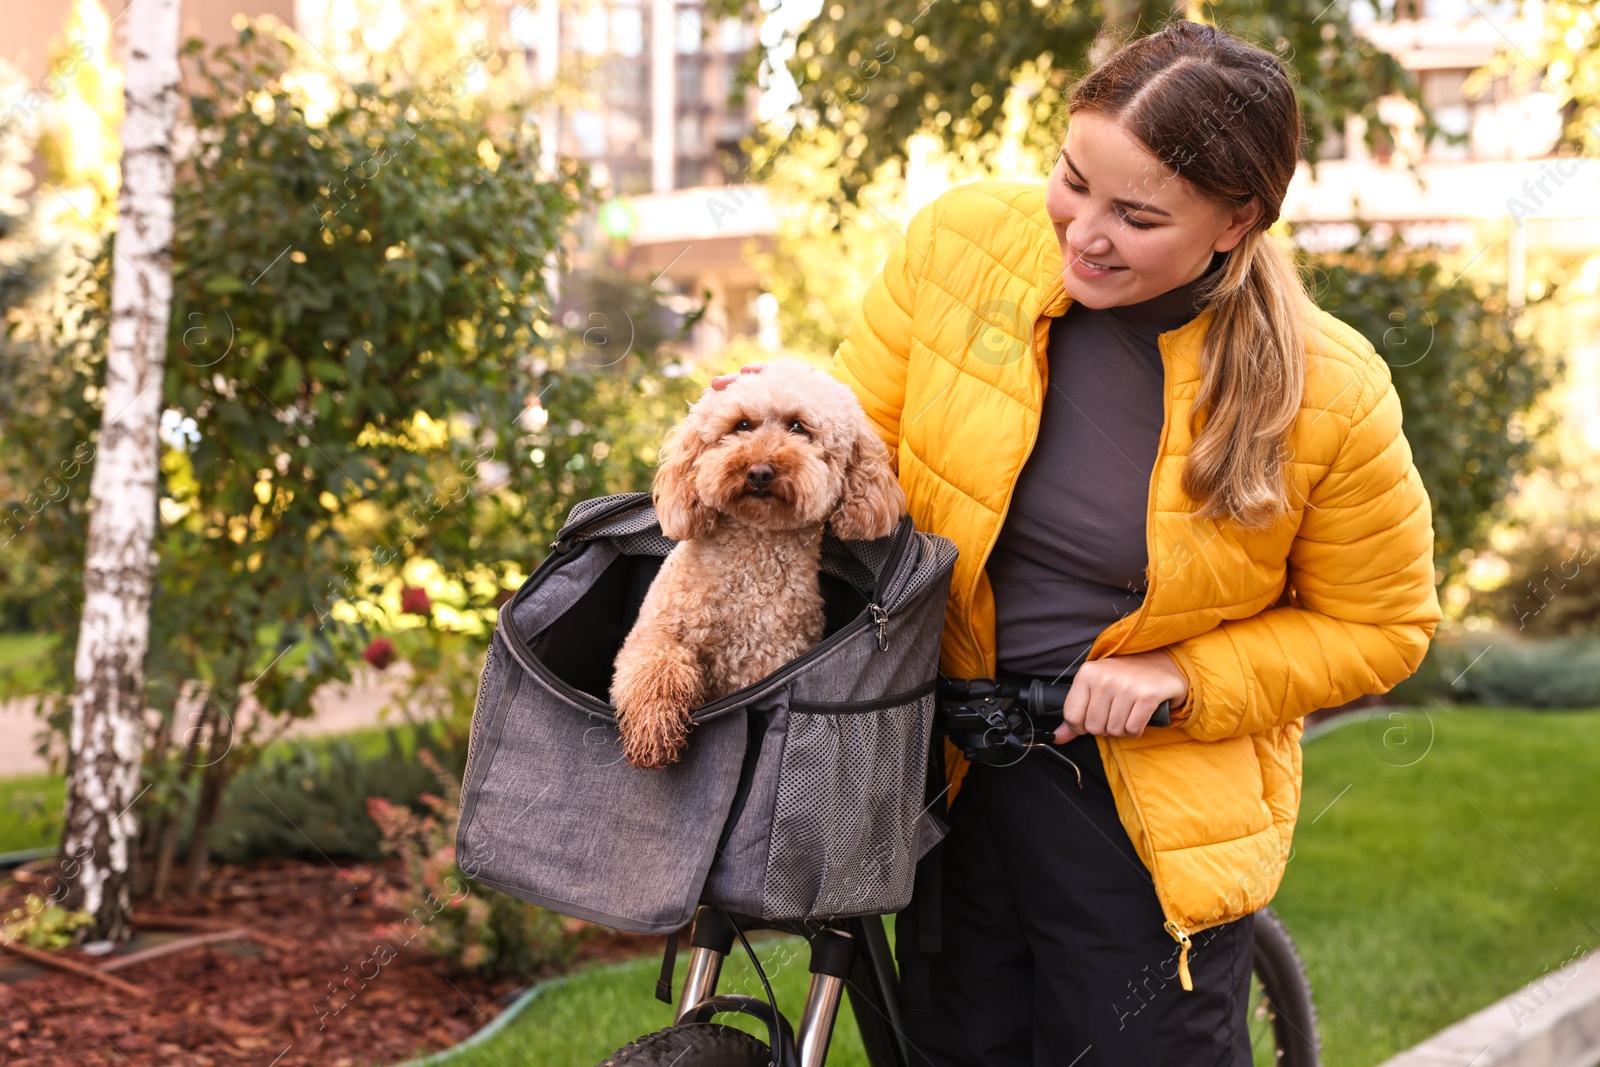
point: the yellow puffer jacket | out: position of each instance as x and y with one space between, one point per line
948 356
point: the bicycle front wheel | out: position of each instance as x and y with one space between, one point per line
693 1045
1283 1019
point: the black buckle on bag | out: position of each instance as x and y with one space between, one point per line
669 960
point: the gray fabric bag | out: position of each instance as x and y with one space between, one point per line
798 797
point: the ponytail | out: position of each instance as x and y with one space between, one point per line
1223 115
1252 380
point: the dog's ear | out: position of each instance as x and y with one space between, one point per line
871 501
682 513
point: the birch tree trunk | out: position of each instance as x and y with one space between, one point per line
108 699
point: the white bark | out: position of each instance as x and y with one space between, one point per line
108 698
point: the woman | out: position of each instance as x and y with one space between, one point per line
1171 477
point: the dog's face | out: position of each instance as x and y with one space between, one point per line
784 448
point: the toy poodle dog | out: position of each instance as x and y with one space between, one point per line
745 483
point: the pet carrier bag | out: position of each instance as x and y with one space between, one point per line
800 796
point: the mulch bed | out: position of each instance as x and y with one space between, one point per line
265 1002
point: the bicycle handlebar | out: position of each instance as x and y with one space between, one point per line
986 716
1039 700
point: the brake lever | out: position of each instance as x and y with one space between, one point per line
1058 754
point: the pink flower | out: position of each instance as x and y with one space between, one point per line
380 653
414 601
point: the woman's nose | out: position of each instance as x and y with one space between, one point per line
1087 236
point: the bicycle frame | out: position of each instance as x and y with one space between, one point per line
849 956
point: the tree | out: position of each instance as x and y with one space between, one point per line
1467 377
876 73
368 388
25 254
108 701
1568 56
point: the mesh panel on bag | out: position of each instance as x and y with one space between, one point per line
844 833
937 555
583 509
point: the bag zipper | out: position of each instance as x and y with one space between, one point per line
847 707
875 614
624 502
474 733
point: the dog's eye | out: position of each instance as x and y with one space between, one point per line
741 425
796 426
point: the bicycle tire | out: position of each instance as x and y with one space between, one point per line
693 1045
1286 993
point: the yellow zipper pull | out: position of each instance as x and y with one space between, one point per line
1183 954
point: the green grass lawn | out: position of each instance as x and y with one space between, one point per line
30 807
19 662
1429 891
1417 893
30 811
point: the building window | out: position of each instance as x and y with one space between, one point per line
627 30
731 35
690 134
627 133
733 84
691 174
688 30
589 129
689 80
525 28
592 38
1442 93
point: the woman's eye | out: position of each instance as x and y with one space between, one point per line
1135 223
1079 189
741 425
796 426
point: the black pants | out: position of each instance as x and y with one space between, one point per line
1053 952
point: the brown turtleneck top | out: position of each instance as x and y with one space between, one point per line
1071 556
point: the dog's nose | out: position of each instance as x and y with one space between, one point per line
760 476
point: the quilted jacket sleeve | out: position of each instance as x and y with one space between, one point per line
873 356
1362 605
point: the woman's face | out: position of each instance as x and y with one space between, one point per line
1129 227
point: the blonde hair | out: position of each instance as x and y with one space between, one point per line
1223 115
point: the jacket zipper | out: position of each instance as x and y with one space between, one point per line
1177 932
1172 927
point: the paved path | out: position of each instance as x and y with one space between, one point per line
1553 1021
339 709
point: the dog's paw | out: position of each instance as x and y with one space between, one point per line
654 695
655 738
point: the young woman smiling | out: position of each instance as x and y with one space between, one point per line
1171 477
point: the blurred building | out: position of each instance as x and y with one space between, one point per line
1494 161
651 95
33 26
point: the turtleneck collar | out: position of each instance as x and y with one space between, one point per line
1169 310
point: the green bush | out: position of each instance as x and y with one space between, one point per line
480 929
1467 377
1554 587
311 802
1500 669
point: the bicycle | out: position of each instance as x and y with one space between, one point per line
992 721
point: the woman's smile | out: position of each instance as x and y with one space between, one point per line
1084 267
1129 227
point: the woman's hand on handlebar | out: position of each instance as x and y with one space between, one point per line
1115 696
722 381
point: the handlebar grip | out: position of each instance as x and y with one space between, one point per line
1046 699
1163 715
